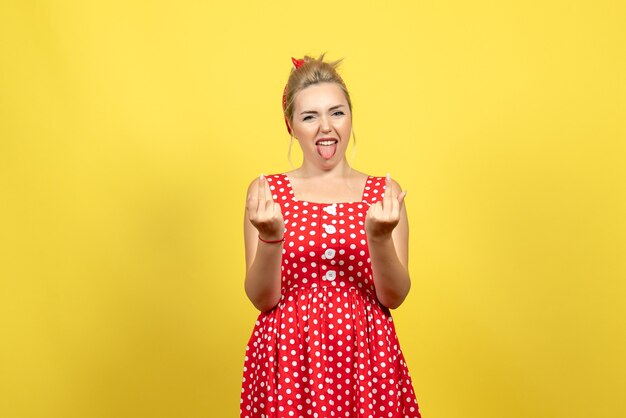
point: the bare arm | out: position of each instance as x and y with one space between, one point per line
388 241
263 218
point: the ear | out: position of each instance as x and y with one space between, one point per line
291 128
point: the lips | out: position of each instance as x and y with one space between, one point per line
326 147
326 141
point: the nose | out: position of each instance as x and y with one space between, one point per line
325 124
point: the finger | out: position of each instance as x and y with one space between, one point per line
251 211
277 211
388 191
261 193
395 210
401 197
269 204
249 201
252 206
262 186
378 210
392 190
268 200
370 211
269 194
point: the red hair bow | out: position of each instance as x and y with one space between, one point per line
297 63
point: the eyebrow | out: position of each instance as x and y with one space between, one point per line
313 111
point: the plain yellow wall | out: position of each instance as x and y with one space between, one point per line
129 131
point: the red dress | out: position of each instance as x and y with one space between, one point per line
329 348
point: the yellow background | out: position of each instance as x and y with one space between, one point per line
129 131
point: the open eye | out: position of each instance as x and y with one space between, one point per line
339 112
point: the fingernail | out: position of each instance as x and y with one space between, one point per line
388 176
262 176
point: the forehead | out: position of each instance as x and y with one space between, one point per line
320 96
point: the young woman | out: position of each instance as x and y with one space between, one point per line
327 257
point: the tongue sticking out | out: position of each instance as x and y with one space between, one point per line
327 151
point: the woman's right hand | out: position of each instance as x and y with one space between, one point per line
264 213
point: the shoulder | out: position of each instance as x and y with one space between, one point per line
358 177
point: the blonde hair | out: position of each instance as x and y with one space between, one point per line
313 71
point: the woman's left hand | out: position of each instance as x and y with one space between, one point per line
383 216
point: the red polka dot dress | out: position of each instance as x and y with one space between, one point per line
329 348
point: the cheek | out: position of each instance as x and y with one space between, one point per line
307 131
301 130
346 127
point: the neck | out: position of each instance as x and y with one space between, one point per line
342 169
